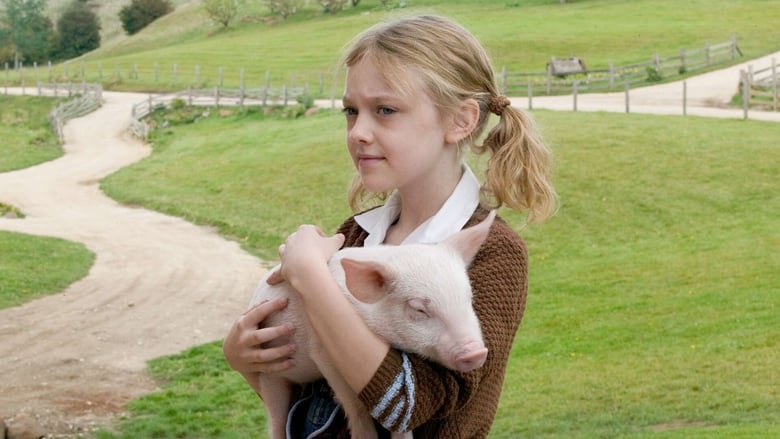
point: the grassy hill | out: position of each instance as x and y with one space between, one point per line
520 35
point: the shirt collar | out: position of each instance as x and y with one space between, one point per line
451 218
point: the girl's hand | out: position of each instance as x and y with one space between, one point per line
305 255
243 345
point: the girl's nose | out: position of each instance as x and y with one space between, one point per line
360 131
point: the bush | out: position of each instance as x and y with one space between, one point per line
139 13
78 31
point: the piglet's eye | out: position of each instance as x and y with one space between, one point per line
418 308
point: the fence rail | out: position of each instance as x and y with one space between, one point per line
615 78
213 97
760 88
89 97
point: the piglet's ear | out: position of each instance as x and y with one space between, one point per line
366 280
468 241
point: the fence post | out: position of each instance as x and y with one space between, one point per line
216 96
284 95
657 62
549 78
627 100
38 84
707 53
241 98
683 67
35 71
530 95
611 75
733 47
774 85
220 75
745 93
574 94
685 98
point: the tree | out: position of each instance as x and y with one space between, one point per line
222 11
139 13
332 6
78 30
284 8
27 32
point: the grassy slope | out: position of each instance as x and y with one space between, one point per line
33 266
521 38
652 302
24 128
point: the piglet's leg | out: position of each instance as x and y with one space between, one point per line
276 393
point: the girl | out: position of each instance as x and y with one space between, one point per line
419 91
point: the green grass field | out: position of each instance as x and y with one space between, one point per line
33 266
24 128
653 305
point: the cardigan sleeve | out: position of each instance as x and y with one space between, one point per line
409 392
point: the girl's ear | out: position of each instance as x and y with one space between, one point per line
463 121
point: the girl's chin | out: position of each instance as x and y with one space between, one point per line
376 186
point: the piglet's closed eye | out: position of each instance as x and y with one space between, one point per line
366 280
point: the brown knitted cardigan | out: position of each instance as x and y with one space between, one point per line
449 404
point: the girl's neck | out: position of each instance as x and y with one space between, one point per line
418 205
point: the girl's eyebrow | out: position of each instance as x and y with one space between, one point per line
378 98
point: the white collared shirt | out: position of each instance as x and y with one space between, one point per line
450 219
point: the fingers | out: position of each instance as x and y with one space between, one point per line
256 314
276 277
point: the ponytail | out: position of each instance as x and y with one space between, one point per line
518 168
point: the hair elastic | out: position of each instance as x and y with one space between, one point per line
498 103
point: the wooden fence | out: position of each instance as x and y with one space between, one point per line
616 78
760 87
214 97
177 76
173 76
86 98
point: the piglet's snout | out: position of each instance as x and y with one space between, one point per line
471 356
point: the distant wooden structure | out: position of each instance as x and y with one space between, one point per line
562 67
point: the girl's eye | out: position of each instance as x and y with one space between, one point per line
385 111
349 111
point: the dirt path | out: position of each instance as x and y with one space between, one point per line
159 284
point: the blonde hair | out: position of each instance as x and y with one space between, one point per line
454 67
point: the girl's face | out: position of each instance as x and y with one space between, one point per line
396 141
